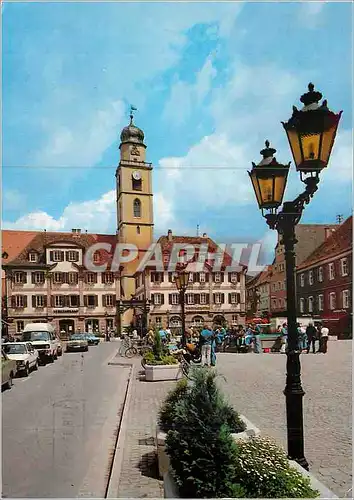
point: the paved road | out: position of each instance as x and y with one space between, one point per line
254 384
58 426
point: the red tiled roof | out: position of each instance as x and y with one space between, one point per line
339 241
17 244
260 278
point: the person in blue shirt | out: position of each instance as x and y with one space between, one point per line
206 340
163 335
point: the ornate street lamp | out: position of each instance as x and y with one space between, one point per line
311 133
269 180
182 280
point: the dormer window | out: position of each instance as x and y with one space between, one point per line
33 257
96 258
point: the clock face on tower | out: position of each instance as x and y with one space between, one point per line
136 175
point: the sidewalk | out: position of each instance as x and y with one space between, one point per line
138 478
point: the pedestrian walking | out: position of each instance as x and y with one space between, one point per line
319 328
324 339
284 338
257 340
311 333
302 338
206 340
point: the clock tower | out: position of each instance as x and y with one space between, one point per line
134 190
134 203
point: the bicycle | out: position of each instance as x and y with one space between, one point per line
124 346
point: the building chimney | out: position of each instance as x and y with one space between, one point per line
169 235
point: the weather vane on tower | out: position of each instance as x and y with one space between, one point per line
132 108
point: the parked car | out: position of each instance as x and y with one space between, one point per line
92 339
25 355
77 342
8 370
43 338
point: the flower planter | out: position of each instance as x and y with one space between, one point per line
163 458
155 373
171 490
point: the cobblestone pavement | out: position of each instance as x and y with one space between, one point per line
254 385
139 476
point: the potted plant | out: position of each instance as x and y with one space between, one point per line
159 364
241 428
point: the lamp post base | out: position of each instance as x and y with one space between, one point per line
294 409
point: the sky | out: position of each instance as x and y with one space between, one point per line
211 82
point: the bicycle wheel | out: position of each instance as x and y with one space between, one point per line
131 352
145 350
185 367
143 363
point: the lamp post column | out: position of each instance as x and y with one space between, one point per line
182 295
293 391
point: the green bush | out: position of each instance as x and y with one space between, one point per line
201 449
168 408
262 468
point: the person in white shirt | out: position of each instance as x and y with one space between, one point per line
324 339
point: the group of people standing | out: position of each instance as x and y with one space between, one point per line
310 337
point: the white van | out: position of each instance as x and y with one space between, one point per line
44 339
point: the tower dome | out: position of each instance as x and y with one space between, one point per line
131 133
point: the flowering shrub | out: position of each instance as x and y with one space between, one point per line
263 470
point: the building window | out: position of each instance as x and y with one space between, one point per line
39 301
20 278
109 324
38 277
274 304
218 298
59 300
73 278
344 266
57 255
91 300
20 326
175 322
310 277
138 229
233 298
91 278
57 278
158 299
331 270
234 319
320 274
108 278
345 299
302 279
158 321
33 257
190 298
156 277
320 302
279 285
217 278
203 299
310 304
302 305
74 300
174 299
202 277
72 256
136 184
137 207
198 321
110 299
284 285
332 300
233 277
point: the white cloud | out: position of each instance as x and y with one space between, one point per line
184 96
12 199
310 13
340 167
83 145
93 215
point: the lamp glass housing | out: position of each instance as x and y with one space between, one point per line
269 185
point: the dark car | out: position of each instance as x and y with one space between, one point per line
77 342
92 339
